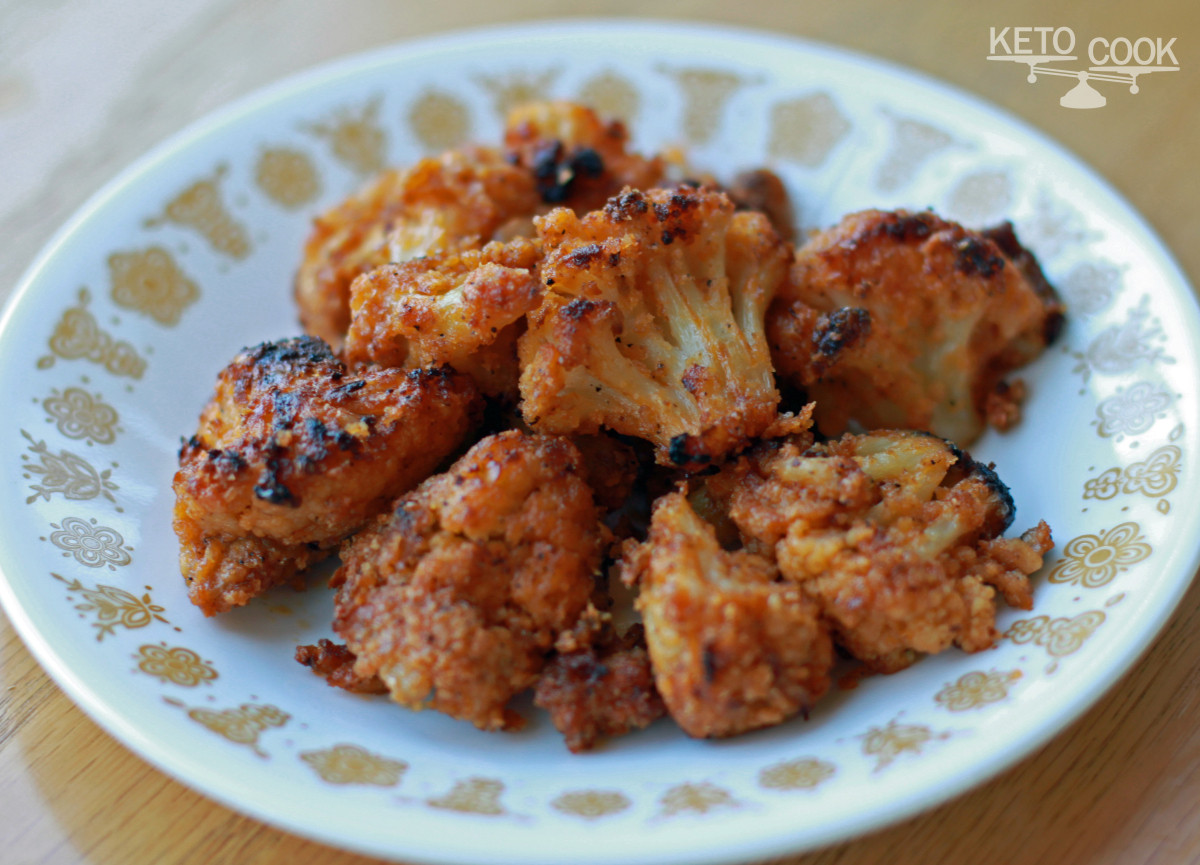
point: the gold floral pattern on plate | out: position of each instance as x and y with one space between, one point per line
440 120
241 726
472 796
591 804
175 665
1123 347
355 137
706 93
350 764
981 197
976 690
287 177
112 607
64 473
1092 561
77 414
695 798
1132 411
201 208
613 95
1054 225
887 743
90 544
913 144
149 281
806 773
510 89
1153 477
1061 636
1091 286
807 129
78 336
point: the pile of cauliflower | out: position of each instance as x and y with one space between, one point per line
545 377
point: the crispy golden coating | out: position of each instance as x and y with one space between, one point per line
463 309
577 159
456 596
598 685
894 534
334 663
652 324
293 454
733 647
903 320
459 200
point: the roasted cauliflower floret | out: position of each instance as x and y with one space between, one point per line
577 159
462 309
459 200
456 596
903 320
734 648
652 324
598 684
895 535
293 454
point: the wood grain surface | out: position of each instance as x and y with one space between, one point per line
87 87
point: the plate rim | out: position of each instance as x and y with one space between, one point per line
97 706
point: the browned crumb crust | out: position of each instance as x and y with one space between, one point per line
733 647
455 597
463 309
293 454
904 320
334 663
896 535
598 685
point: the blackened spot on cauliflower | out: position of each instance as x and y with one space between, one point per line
343 391
975 256
905 227
271 489
836 332
686 452
625 206
584 255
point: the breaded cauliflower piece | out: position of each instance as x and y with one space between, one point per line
903 320
462 309
733 647
456 596
896 535
334 663
293 454
652 324
459 200
577 159
598 685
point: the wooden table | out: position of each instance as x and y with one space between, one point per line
86 87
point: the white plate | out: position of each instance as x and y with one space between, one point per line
114 338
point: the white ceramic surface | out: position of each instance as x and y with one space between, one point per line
112 342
